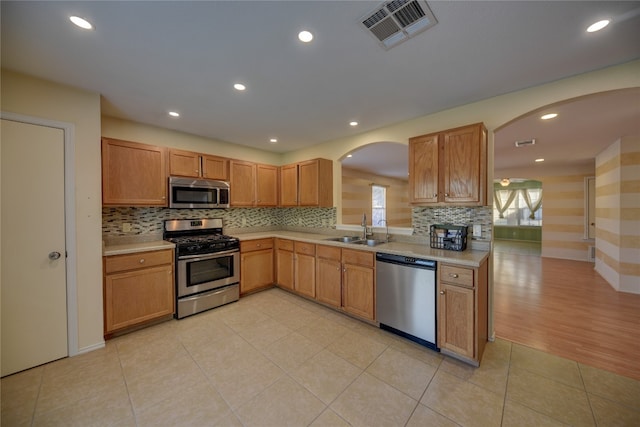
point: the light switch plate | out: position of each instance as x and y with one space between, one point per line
477 230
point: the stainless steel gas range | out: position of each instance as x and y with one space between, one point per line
207 264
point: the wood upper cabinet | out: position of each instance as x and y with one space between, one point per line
133 174
358 283
462 311
256 264
137 288
196 165
308 183
266 185
242 183
284 263
449 167
329 275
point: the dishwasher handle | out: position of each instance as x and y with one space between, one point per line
426 264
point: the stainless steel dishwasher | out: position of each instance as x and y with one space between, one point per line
406 297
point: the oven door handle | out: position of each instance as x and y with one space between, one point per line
207 256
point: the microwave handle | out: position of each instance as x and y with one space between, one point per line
208 256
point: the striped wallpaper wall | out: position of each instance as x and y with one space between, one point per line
563 213
618 214
356 198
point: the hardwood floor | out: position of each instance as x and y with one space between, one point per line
565 308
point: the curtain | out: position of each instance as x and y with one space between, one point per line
503 199
533 206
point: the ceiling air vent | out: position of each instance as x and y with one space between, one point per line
396 21
525 142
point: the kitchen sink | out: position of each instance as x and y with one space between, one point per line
368 242
345 239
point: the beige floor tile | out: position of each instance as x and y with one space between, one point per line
457 368
548 365
213 357
193 406
498 350
111 407
419 352
240 382
326 375
424 416
517 415
608 413
371 402
614 387
555 399
329 419
296 318
136 361
18 396
357 349
463 402
242 317
229 421
291 351
285 403
403 372
154 386
323 331
202 333
265 333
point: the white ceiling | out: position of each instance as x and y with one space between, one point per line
148 57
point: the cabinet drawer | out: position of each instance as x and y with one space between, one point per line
328 252
256 245
350 256
285 245
137 260
305 248
456 275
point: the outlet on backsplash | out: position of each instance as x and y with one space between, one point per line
126 227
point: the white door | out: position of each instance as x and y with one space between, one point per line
33 277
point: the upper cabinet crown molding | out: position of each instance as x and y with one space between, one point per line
449 167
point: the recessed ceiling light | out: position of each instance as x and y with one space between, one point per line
81 22
597 26
273 140
349 155
539 160
353 123
549 116
305 36
174 114
239 86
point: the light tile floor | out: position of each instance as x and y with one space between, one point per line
274 359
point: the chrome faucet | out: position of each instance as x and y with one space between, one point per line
386 236
364 226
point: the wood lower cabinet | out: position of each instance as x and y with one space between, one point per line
284 263
329 275
137 288
256 265
305 268
133 174
449 167
358 283
462 311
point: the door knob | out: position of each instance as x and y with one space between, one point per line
54 255
442 292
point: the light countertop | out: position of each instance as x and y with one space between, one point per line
130 248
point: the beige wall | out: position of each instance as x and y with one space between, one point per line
356 198
37 98
618 214
563 203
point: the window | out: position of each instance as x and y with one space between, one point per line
378 205
517 211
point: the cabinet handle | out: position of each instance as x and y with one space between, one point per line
141 260
258 245
446 194
442 292
454 275
435 194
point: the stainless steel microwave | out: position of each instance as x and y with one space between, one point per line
191 193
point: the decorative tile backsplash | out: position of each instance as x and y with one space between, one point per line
422 218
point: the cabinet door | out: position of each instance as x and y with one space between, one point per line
423 169
329 281
243 178
308 183
305 273
266 185
289 185
184 163
133 174
284 269
256 270
358 295
138 296
462 152
214 167
456 319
